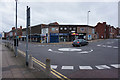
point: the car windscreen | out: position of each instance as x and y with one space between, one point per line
80 40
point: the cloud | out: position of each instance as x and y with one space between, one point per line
62 12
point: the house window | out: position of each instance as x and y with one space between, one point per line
61 28
65 28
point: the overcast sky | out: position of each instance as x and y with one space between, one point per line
61 12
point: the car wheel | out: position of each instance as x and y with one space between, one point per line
80 45
73 45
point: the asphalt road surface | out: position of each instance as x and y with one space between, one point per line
95 60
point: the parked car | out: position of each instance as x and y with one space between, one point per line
79 42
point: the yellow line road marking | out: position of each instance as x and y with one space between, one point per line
44 66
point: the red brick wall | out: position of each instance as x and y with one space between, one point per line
100 29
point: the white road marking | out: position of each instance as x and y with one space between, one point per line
54 66
85 67
84 52
54 51
20 43
98 45
91 50
102 67
69 49
115 47
68 67
49 49
109 46
115 65
104 45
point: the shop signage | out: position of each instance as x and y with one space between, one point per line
74 33
63 33
54 34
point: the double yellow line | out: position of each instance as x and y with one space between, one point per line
54 72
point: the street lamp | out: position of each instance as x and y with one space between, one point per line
16 31
88 17
87 23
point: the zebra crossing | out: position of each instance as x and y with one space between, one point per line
115 47
99 67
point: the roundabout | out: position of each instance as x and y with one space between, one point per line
75 50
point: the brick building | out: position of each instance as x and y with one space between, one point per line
66 33
105 31
12 34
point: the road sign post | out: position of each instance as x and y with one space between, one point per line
28 24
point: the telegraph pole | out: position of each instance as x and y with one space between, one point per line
28 24
16 32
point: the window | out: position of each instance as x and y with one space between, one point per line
111 29
81 29
70 28
53 29
65 28
61 28
74 28
93 31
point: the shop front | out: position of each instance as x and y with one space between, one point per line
74 36
34 38
63 37
81 35
44 38
54 37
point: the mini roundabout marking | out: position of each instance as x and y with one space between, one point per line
76 50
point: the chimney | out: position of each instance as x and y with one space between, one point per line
20 27
13 28
104 23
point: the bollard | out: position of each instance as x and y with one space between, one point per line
5 44
30 65
12 47
48 68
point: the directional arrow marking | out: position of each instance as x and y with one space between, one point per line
86 51
54 51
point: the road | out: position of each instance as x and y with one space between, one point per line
96 60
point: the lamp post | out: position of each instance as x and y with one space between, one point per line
87 23
16 31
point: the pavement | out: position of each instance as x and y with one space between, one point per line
14 67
